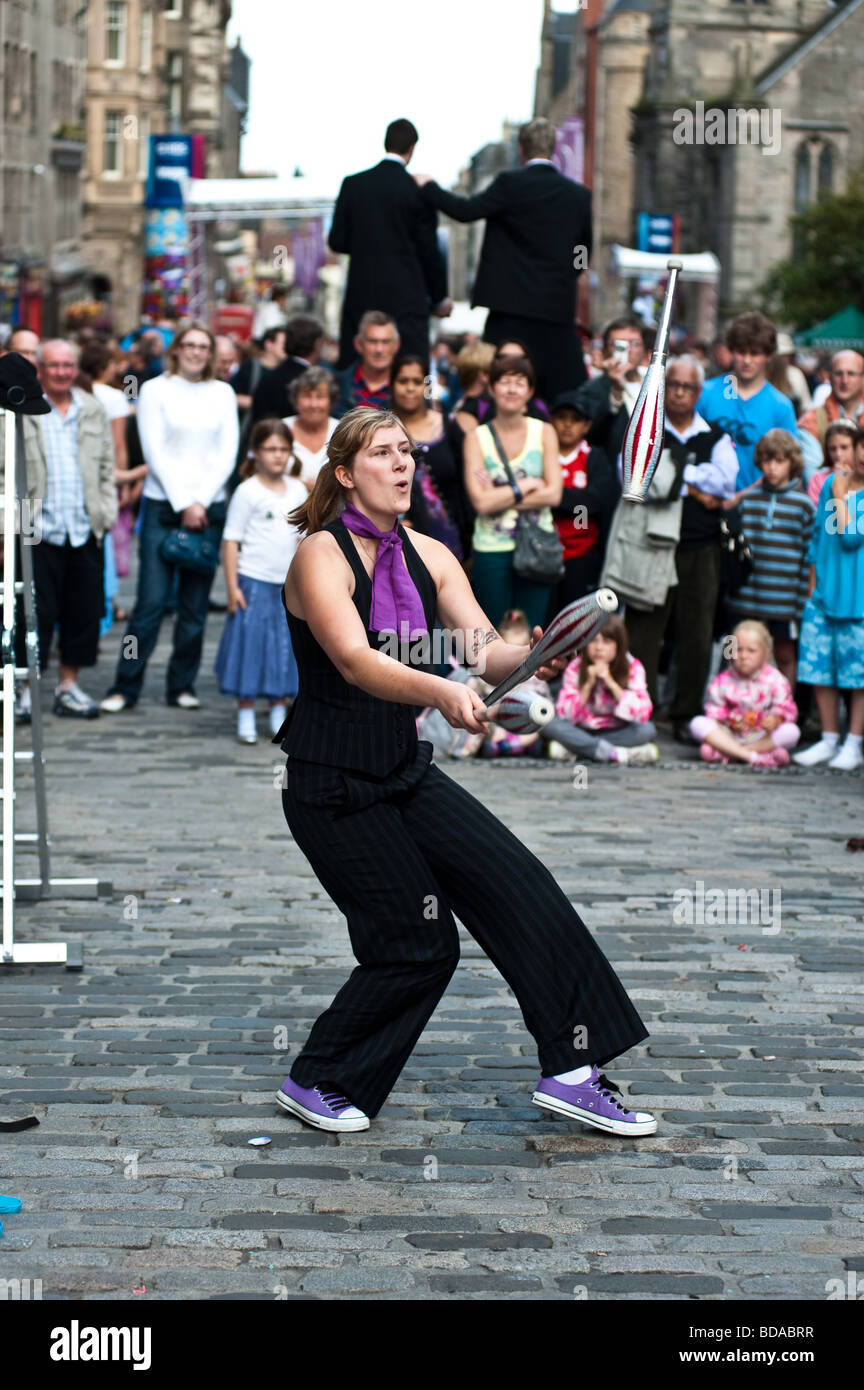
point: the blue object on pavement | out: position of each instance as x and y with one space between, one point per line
10 1204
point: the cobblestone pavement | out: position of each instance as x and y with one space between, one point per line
152 1067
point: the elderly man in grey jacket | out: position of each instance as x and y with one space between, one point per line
72 493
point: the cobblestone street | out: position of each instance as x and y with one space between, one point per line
152 1068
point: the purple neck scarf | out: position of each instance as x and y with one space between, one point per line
396 604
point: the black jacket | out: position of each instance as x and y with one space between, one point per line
271 393
536 220
390 233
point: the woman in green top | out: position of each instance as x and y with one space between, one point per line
531 448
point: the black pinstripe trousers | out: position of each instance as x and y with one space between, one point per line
399 857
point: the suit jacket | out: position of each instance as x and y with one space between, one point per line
389 232
271 394
535 221
95 460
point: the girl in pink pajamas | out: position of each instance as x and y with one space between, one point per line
749 712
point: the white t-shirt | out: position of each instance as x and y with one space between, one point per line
310 461
256 518
112 401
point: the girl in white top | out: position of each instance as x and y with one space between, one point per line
313 395
255 659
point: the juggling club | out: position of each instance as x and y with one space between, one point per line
643 439
568 632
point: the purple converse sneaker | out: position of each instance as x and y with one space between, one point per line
592 1102
320 1106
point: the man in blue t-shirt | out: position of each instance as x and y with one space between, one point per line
743 403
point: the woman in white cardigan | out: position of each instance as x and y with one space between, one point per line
189 433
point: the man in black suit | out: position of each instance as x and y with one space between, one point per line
304 335
537 242
383 224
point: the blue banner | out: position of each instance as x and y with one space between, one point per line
169 170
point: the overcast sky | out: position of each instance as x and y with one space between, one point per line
328 75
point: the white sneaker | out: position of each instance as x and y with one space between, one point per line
847 759
112 704
821 752
645 753
188 701
558 752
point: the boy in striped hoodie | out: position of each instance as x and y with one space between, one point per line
777 518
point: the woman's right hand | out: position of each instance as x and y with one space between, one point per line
235 601
459 706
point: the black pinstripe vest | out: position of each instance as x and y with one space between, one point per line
338 724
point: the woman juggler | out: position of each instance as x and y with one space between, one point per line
400 847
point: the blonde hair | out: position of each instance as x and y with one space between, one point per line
172 356
471 360
354 431
514 620
760 632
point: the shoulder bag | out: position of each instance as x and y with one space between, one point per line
539 554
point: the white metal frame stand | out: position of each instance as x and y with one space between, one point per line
55 953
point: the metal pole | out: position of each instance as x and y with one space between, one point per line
8 685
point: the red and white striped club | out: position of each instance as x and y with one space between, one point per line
643 439
568 632
523 712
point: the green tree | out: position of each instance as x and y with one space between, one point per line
826 270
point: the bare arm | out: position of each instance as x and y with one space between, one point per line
548 494
230 551
486 501
459 611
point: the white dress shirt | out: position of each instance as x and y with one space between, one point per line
189 438
718 475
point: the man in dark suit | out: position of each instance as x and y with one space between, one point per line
304 336
383 224
537 242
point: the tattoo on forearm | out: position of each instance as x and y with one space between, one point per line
479 640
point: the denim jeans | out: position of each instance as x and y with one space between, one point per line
155 578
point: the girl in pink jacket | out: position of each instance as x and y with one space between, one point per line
604 709
749 712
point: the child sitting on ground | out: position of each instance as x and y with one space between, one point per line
749 710
501 742
604 709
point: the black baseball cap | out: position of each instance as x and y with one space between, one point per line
579 400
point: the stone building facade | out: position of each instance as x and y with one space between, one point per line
43 54
747 111
153 68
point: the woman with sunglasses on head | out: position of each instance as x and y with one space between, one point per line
189 432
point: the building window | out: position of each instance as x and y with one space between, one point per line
34 93
802 178
825 169
175 85
173 9
112 156
67 204
143 145
146 40
115 32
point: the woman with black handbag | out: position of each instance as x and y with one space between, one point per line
513 479
189 437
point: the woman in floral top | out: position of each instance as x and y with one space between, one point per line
749 713
604 709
